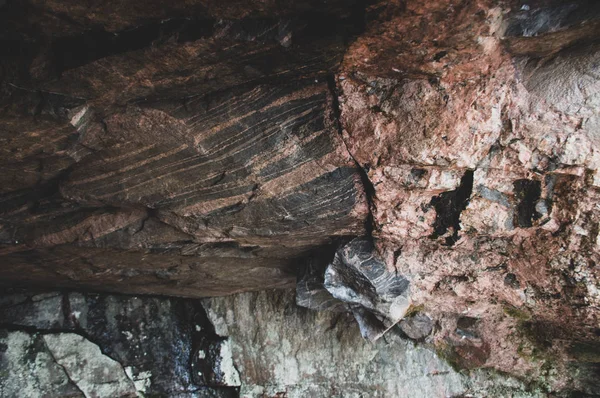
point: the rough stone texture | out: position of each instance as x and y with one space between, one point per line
249 345
357 281
283 350
201 148
70 344
29 369
417 326
477 122
188 150
96 375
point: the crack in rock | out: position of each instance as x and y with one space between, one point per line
92 372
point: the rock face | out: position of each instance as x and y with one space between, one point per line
81 344
357 282
432 165
176 156
477 122
248 345
282 350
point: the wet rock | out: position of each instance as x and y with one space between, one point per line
147 345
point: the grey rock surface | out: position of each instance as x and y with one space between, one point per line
94 373
281 350
111 346
417 327
248 345
28 369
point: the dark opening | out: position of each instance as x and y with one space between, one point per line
72 52
448 206
527 193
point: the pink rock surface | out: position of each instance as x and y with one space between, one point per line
436 91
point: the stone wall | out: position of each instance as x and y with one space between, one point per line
73 344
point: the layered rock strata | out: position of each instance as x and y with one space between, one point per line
194 156
201 149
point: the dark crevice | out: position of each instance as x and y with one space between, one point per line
364 177
370 194
448 207
219 178
358 17
314 262
204 338
69 316
205 356
397 253
150 213
438 56
527 193
75 51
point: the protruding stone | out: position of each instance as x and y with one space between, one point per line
417 327
359 281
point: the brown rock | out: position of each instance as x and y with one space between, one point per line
200 148
194 156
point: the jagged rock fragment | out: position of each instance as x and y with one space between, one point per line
358 281
29 369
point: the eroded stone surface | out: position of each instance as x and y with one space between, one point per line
248 345
281 349
176 150
95 374
112 345
417 326
29 369
476 121
201 148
